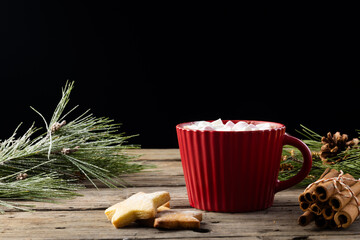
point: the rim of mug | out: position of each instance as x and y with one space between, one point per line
279 126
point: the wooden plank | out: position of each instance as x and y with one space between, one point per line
140 180
167 170
272 223
164 167
83 217
166 173
93 199
101 199
156 154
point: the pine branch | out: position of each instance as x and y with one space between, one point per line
87 147
309 134
42 187
350 163
313 141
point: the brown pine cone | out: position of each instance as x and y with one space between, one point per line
286 167
335 144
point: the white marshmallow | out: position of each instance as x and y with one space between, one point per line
264 126
230 124
223 128
207 128
239 126
202 123
247 128
253 127
218 125
192 126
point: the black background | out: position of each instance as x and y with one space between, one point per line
151 67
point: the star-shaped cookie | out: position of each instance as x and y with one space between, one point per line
138 206
150 222
177 219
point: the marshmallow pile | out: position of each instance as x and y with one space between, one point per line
218 125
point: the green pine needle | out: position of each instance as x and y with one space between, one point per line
86 147
350 165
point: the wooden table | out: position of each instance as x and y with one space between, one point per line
83 217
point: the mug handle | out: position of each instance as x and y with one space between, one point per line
305 169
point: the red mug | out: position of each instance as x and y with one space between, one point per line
229 171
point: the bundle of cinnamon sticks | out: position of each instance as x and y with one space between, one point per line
332 201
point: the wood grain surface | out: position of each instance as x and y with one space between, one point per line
83 217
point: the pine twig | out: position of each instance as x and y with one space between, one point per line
53 160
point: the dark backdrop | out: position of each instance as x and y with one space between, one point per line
151 67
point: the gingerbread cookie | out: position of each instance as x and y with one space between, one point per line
178 219
138 206
150 222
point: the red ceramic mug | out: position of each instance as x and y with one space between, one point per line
228 171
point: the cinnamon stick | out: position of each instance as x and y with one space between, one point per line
304 205
302 198
306 218
308 194
338 201
332 224
328 213
316 208
325 190
348 214
330 204
321 222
